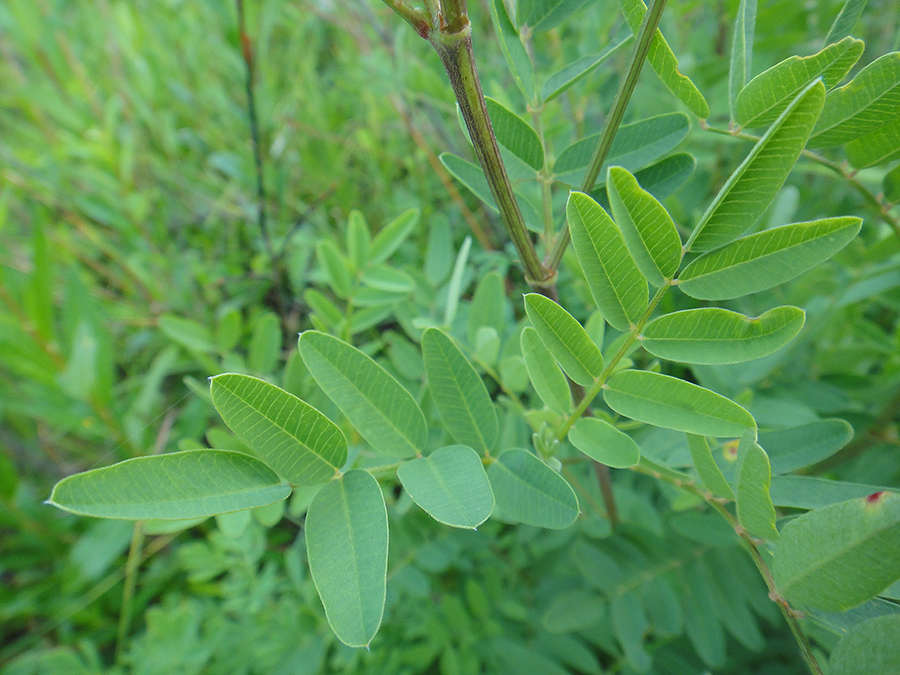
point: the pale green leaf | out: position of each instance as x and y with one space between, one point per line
867 102
383 412
706 466
358 239
177 486
336 268
515 134
812 492
392 235
618 287
663 60
753 185
868 649
565 338
265 344
716 336
541 15
845 20
766 259
670 403
530 492
513 51
741 64
458 392
805 445
767 95
602 442
645 224
545 374
302 445
347 544
561 80
455 285
389 279
189 333
879 147
488 308
755 511
839 556
450 485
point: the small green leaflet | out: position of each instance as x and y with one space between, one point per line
545 374
891 185
565 338
670 403
879 147
515 134
347 546
706 466
845 20
176 486
618 287
868 101
513 50
805 445
811 492
741 50
755 511
561 80
392 235
663 60
541 15
336 268
488 306
383 412
766 259
767 95
869 648
839 556
265 344
754 184
646 226
450 485
602 442
717 336
296 440
358 240
458 392
530 492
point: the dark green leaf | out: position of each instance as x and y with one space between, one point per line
755 511
515 134
513 50
530 492
872 647
741 64
561 80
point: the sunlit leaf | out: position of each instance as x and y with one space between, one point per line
601 441
530 492
565 338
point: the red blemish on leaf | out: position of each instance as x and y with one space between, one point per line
874 497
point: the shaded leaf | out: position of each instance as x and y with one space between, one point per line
706 466
265 344
513 50
545 374
541 15
879 147
392 235
799 447
530 492
186 332
565 338
755 511
336 268
811 492
741 64
561 80
891 185
515 134
845 20
871 647
602 442
660 179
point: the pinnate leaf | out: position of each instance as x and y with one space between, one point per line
602 442
347 545
565 338
530 492
799 447
177 486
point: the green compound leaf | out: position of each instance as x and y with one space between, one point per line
767 95
839 556
601 441
871 647
561 80
177 486
618 287
383 412
515 134
706 466
458 392
646 226
513 50
663 60
392 235
450 485
545 374
302 445
755 511
347 546
565 338
766 259
716 336
741 50
879 147
670 403
754 184
868 101
530 492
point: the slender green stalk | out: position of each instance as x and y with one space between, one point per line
617 112
131 569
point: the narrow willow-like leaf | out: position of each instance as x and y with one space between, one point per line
177 486
635 146
450 485
458 392
347 545
869 648
302 445
845 20
706 466
868 101
879 147
515 134
805 445
513 50
754 184
541 15
662 59
767 95
741 64
383 412
561 80
755 511
545 374
618 287
839 556
530 492
766 259
670 403
392 236
646 226
565 338
601 441
716 336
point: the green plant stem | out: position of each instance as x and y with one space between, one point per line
617 112
131 569
458 58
